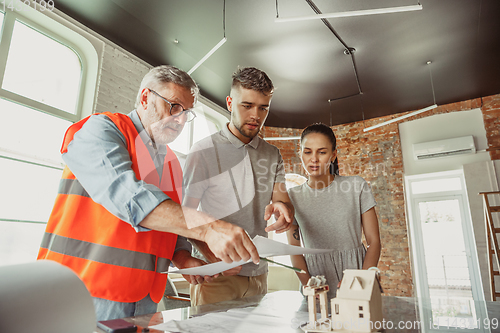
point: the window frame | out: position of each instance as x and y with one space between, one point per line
212 112
88 49
84 46
416 243
209 117
67 35
10 18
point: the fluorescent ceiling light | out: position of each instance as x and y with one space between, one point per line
399 118
212 51
351 13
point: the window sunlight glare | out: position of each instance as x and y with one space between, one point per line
42 69
203 127
21 132
23 242
436 185
448 275
28 191
181 143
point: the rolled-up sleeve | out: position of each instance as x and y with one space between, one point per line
99 159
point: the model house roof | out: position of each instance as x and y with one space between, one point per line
358 284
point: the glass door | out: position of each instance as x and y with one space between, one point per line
447 273
446 263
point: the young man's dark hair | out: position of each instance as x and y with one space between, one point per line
253 78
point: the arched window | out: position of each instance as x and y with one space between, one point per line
209 119
53 82
44 86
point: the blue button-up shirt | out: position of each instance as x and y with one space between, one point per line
99 159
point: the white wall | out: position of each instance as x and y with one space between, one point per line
479 171
439 127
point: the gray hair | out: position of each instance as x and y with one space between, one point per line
164 74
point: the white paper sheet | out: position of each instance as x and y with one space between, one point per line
247 320
270 248
266 247
210 269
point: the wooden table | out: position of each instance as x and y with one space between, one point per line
395 309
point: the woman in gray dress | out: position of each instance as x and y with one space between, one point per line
331 212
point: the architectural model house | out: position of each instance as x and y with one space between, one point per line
316 286
357 307
358 302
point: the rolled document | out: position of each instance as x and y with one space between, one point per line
44 296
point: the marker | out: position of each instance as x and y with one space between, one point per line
278 263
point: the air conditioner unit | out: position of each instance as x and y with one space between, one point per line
448 147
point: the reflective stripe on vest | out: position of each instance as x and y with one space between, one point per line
114 261
72 186
103 254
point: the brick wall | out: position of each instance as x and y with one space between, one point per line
121 76
377 157
491 117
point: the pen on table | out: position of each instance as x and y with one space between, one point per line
278 263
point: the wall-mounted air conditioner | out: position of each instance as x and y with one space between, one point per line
440 148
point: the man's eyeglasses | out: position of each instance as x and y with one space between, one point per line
177 110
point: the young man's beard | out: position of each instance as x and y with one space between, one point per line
248 134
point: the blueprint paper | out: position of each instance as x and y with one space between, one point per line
266 247
233 321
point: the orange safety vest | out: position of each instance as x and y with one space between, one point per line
114 261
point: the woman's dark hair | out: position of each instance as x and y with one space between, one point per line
328 132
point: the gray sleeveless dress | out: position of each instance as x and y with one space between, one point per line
330 218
